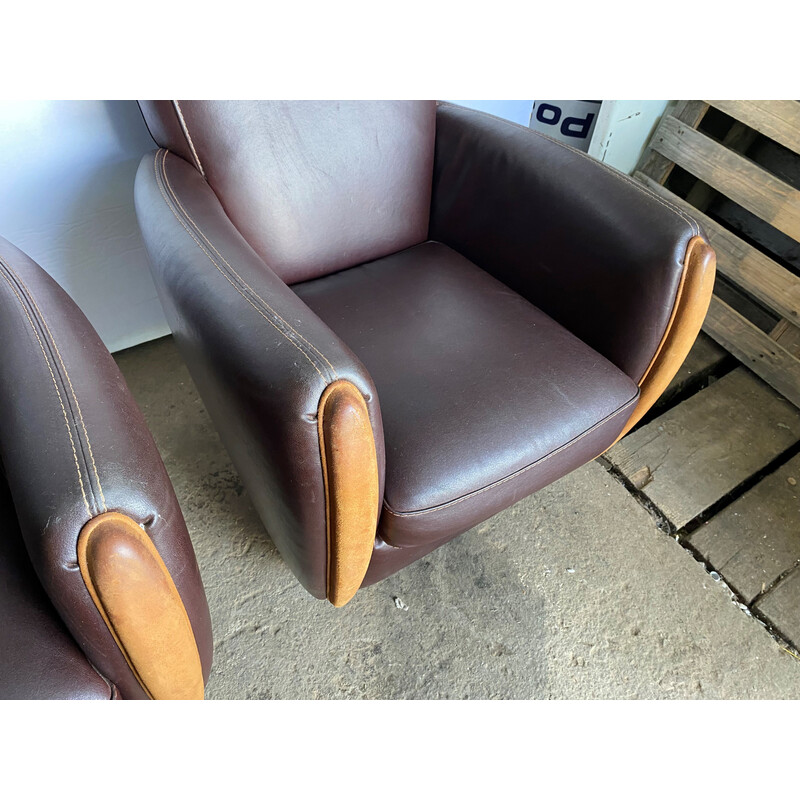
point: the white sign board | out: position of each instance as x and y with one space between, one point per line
568 121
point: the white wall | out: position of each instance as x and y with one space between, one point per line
623 129
66 199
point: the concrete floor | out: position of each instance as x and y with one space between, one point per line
571 593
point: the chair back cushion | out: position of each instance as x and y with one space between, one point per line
314 186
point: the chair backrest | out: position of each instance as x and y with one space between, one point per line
313 186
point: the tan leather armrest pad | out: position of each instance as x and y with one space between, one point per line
350 467
688 314
137 598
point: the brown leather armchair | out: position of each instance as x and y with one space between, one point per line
405 317
100 592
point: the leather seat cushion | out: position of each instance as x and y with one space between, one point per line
39 660
484 398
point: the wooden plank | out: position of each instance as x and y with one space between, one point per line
782 607
656 166
692 456
787 336
768 359
756 539
746 266
742 303
738 138
747 184
777 119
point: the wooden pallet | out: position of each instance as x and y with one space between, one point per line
720 167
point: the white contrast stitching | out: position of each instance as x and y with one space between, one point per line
72 389
227 264
55 384
227 278
185 128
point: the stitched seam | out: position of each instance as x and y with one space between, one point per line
514 475
227 278
693 224
55 384
71 388
224 261
227 264
185 129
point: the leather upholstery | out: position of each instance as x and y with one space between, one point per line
39 659
312 187
475 407
506 334
591 247
74 445
260 357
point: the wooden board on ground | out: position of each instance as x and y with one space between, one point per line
692 456
782 607
756 539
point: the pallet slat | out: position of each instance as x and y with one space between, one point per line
788 336
751 269
733 175
738 139
656 166
777 119
768 359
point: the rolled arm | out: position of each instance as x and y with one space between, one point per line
295 408
588 245
97 511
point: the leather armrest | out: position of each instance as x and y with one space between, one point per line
83 469
295 408
591 247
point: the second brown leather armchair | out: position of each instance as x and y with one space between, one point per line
100 593
405 317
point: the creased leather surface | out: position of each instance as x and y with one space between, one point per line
73 445
39 659
475 383
260 357
312 186
583 242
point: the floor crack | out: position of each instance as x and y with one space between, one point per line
774 585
